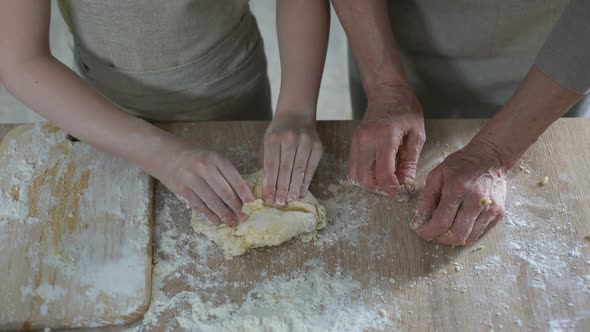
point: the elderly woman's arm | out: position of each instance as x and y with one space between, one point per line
453 209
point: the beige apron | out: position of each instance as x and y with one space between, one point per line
179 60
465 58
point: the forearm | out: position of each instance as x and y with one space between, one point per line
302 28
538 102
373 44
58 94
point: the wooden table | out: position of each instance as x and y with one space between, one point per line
531 272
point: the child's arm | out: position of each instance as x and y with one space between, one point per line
292 147
33 75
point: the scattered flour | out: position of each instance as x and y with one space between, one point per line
310 299
95 270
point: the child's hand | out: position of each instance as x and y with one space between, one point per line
208 182
292 151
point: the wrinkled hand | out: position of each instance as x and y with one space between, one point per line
463 198
291 151
208 182
386 147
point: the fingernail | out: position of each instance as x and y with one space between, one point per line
242 216
417 223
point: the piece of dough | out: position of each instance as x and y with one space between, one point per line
267 225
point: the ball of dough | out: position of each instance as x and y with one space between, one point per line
267 224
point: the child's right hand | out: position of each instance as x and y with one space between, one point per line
207 181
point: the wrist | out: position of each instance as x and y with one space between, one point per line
390 92
161 151
498 153
305 115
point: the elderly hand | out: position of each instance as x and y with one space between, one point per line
385 148
464 196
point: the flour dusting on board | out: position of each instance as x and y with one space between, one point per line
310 299
79 232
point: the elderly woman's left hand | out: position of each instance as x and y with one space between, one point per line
464 196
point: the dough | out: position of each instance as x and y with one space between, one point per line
267 225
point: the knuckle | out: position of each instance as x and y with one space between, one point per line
227 195
477 196
285 167
299 169
274 136
290 136
215 206
304 138
215 157
457 187
202 164
189 178
421 137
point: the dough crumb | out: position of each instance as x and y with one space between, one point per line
382 313
521 167
544 181
391 280
477 249
485 201
527 171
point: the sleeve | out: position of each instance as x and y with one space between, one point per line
565 56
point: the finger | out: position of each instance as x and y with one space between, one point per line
353 161
428 200
493 223
485 222
408 158
366 164
219 184
214 202
442 218
464 222
312 165
236 181
288 151
272 152
385 167
299 165
197 204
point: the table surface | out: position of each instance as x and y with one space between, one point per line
531 272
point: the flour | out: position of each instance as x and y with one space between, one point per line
95 275
309 299
303 301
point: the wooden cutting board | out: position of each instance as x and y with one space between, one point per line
530 273
75 233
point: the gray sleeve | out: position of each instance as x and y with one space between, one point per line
565 56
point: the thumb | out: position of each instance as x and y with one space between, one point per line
409 153
428 200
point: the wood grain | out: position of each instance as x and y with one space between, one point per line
532 272
79 254
490 286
